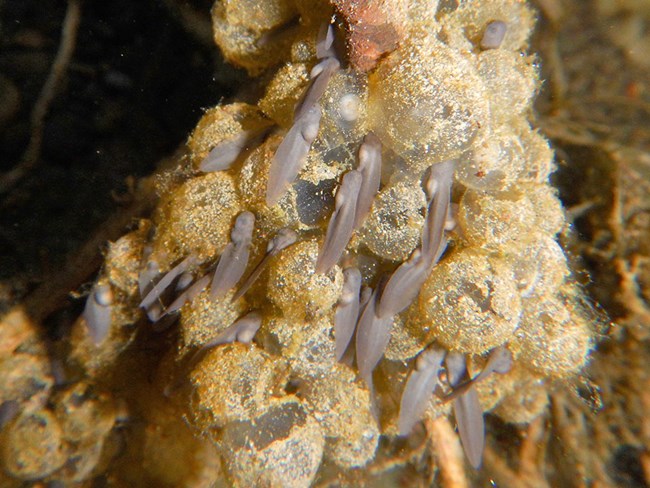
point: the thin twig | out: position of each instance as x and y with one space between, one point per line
32 155
448 453
645 465
530 454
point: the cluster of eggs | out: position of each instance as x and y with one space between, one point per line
46 425
456 90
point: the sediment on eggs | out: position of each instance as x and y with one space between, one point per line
470 302
393 228
296 288
195 219
555 334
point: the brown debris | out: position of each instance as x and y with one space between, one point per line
373 29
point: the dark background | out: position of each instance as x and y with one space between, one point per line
141 74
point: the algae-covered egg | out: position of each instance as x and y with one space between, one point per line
539 265
283 92
203 318
505 157
509 79
244 30
85 413
307 344
539 157
471 302
123 260
252 183
32 445
495 219
296 288
342 406
394 226
549 216
555 335
494 162
403 344
24 377
231 383
196 218
427 103
281 447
